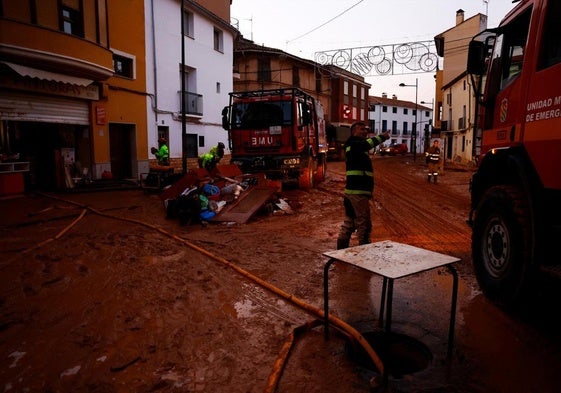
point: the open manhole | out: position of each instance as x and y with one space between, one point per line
401 354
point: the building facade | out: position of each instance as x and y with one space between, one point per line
455 89
189 55
343 95
122 150
88 86
400 117
56 64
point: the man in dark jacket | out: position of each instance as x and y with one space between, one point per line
359 185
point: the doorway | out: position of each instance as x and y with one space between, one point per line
121 148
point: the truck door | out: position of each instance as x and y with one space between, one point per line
542 132
505 90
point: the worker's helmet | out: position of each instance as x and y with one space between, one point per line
221 145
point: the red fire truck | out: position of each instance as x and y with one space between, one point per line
278 132
516 190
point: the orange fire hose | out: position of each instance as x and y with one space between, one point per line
279 364
293 299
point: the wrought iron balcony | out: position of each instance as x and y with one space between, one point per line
193 104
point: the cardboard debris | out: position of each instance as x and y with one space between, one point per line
284 206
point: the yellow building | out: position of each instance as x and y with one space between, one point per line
73 89
124 150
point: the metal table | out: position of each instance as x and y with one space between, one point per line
391 260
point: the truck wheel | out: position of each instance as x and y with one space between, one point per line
342 155
502 245
306 178
321 171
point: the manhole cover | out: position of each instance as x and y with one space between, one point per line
401 354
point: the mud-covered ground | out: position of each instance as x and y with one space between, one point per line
99 292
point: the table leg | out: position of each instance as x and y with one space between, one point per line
326 296
389 306
452 311
382 303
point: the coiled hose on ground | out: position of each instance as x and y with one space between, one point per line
281 360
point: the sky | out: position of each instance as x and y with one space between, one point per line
304 27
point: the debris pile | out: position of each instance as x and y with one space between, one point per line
224 195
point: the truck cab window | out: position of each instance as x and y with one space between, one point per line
513 44
550 53
261 115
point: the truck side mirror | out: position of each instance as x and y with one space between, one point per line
225 122
476 58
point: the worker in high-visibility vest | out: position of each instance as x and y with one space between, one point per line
162 153
359 185
433 161
213 157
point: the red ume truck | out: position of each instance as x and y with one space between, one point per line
516 190
278 132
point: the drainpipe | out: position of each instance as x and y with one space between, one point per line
183 124
154 65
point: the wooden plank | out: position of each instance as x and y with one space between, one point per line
192 178
228 170
246 205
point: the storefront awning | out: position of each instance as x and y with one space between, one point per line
47 75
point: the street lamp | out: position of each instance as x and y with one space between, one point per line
431 124
414 133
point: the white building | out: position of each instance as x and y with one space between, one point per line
399 117
203 62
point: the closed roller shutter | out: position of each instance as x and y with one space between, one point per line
25 107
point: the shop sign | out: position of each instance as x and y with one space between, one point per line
100 114
43 86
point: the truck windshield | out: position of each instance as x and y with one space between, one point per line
260 114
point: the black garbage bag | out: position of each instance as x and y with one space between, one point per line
186 207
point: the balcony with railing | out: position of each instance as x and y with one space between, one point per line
193 104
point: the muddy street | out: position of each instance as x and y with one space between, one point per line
101 293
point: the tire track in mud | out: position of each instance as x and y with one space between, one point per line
403 208
436 223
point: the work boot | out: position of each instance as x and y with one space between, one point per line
342 243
